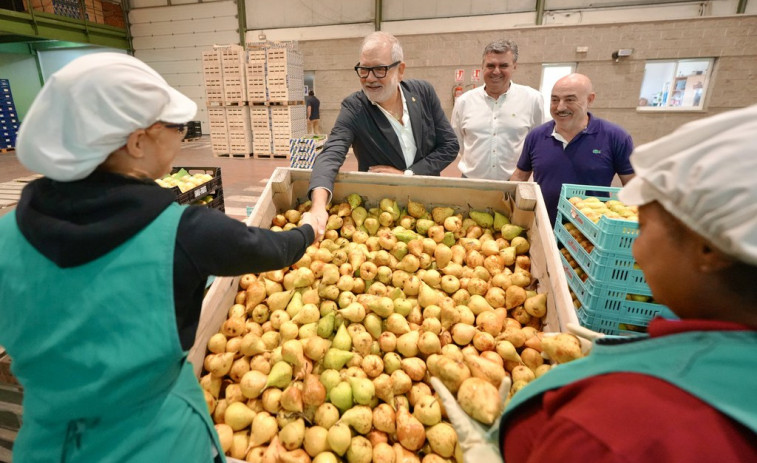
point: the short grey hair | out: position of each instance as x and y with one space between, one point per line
502 46
384 37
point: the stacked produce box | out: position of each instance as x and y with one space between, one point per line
595 233
330 359
8 117
226 97
11 408
199 186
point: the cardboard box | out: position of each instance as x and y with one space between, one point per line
286 187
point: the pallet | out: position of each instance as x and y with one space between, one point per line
271 156
187 140
7 150
219 103
233 155
278 103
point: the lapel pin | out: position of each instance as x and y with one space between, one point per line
413 99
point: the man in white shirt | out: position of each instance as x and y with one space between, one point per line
492 121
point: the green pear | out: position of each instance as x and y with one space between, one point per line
342 339
341 396
422 226
404 235
510 231
279 300
483 219
359 215
280 375
449 239
330 378
295 304
336 358
354 200
500 220
362 390
371 225
326 325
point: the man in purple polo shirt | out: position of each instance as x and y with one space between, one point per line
575 147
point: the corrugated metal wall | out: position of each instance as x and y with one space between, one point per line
171 40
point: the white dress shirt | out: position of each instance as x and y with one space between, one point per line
491 131
403 130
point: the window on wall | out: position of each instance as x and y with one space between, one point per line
675 85
551 73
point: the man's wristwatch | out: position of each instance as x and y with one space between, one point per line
409 172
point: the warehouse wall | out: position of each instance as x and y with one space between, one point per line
171 39
434 57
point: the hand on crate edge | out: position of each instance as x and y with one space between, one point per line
477 443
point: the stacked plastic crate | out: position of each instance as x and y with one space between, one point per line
8 118
611 294
285 83
226 97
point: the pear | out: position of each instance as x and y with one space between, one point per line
381 306
336 358
280 375
500 220
484 369
417 210
407 222
342 339
441 213
315 347
279 300
330 378
422 226
339 438
520 244
334 222
514 296
363 392
294 306
326 325
341 396
390 206
427 296
354 200
405 235
510 231
442 439
371 225
359 214
400 249
536 306
354 312
483 219
448 239
410 432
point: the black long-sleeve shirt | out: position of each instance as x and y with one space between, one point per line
73 223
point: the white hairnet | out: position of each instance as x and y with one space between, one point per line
705 174
87 110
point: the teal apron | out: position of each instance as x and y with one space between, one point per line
715 366
98 354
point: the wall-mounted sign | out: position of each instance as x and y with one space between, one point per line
459 75
475 75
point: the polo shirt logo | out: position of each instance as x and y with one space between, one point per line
597 151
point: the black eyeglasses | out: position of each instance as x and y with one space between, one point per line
378 71
181 128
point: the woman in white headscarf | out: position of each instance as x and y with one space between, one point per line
103 274
685 392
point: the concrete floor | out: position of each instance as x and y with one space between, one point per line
243 179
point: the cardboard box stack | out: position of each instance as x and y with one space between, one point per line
226 97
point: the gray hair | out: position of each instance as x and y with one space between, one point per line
502 46
380 37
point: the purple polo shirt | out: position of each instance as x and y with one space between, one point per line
593 157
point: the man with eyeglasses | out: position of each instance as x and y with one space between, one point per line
492 121
394 126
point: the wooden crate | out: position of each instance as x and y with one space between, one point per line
288 186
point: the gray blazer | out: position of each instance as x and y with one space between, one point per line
363 126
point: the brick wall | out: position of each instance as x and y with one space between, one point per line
732 40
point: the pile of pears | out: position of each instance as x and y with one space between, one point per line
330 359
